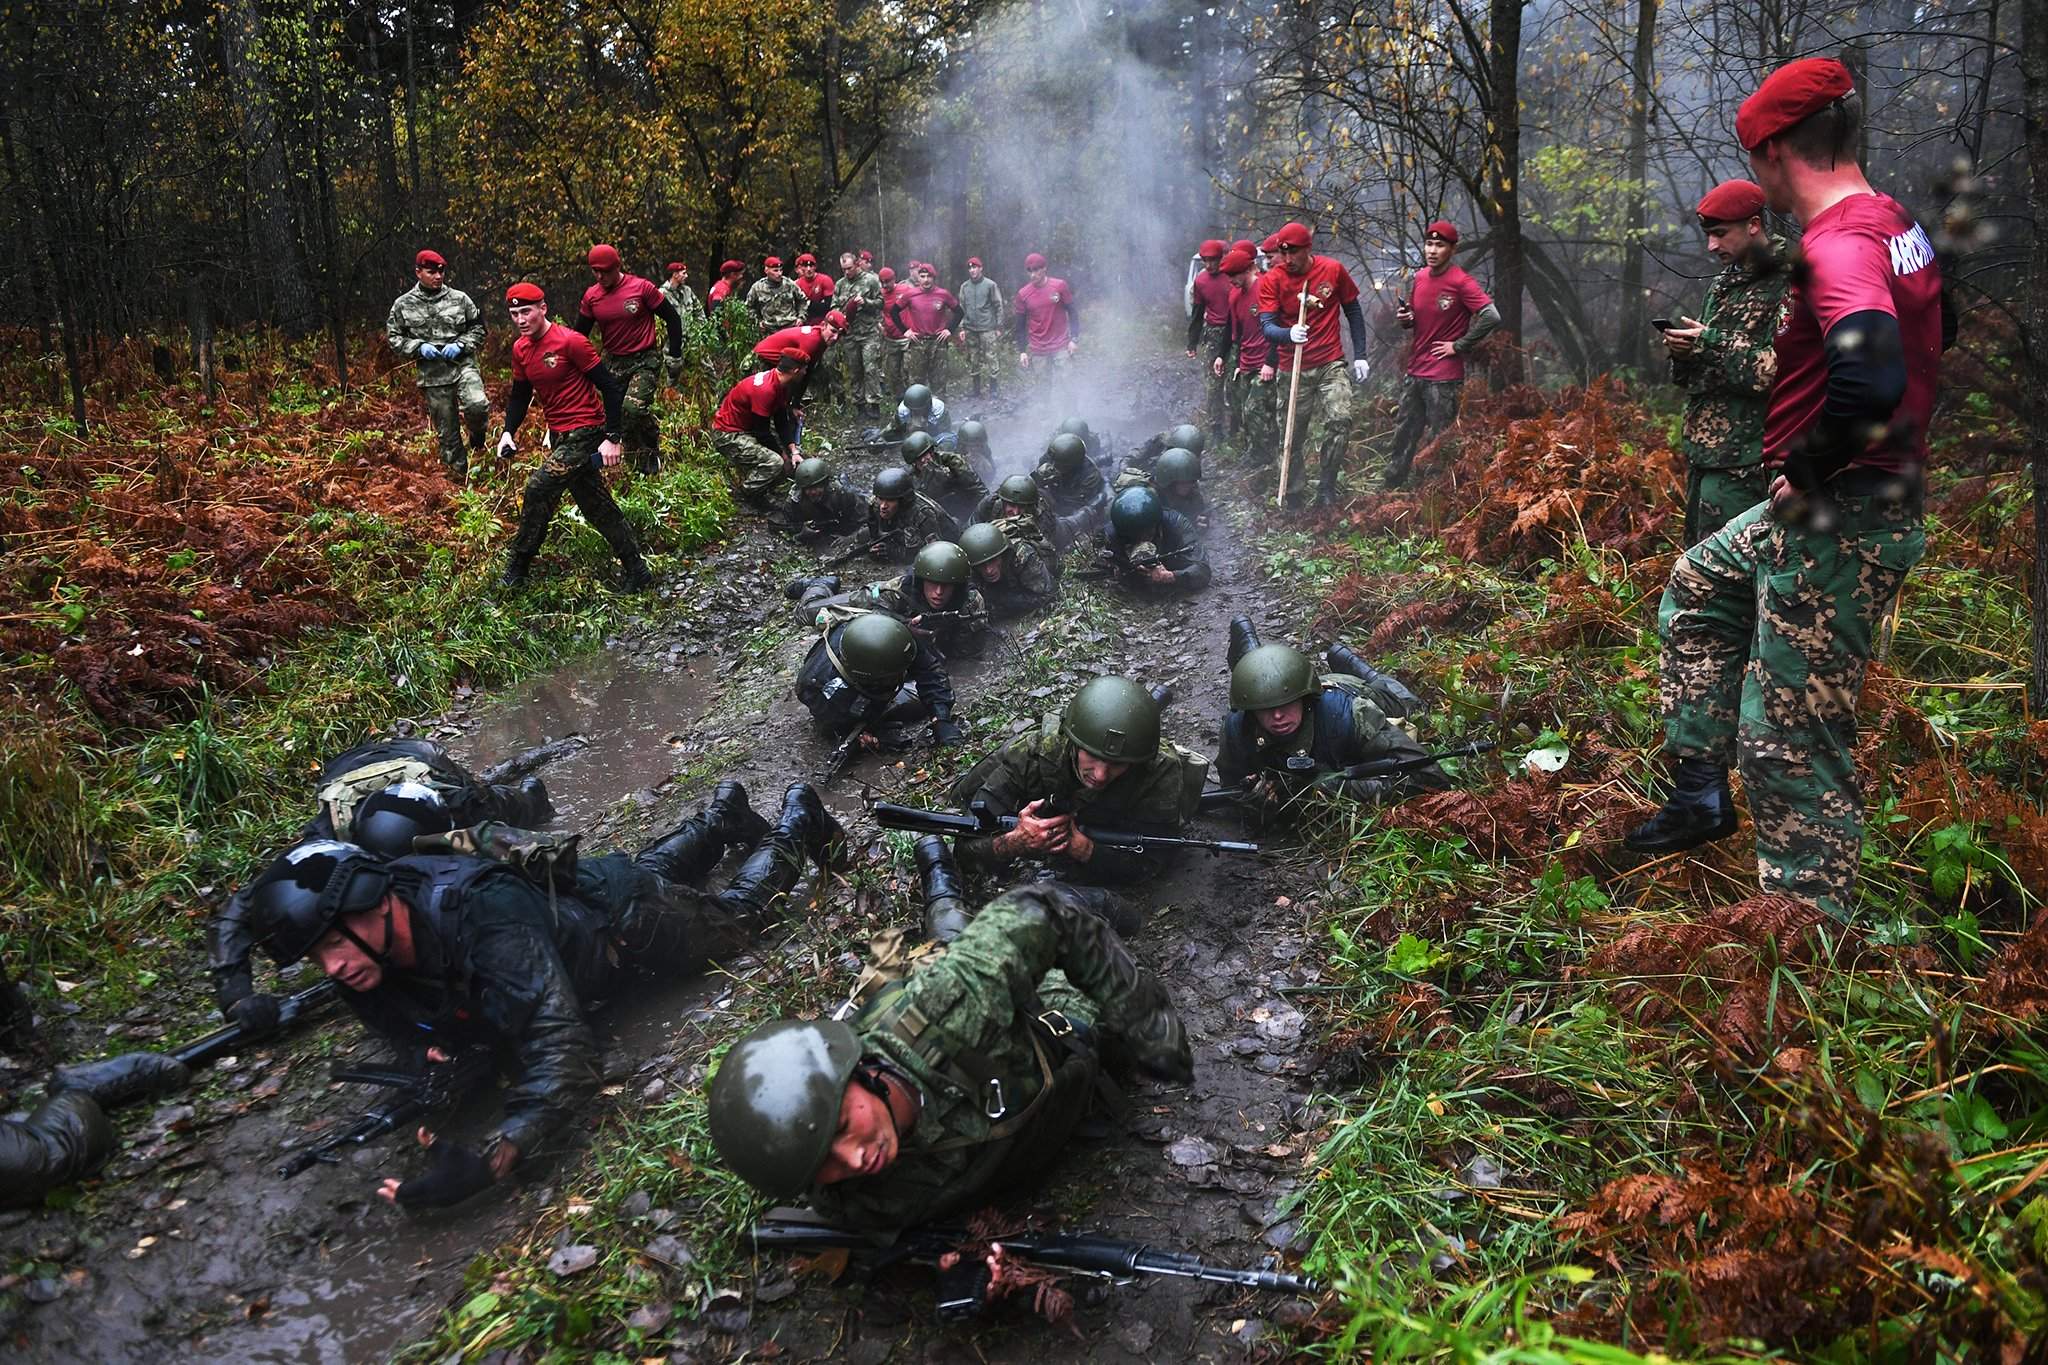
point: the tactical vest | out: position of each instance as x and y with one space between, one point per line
1333 729
385 764
435 885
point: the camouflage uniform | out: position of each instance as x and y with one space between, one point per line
1322 419
754 465
863 347
1255 415
1195 509
1031 951
570 468
982 314
1175 545
1030 576
953 483
687 305
1729 374
776 304
917 523
1767 629
836 510
1155 797
1343 726
960 635
640 374
454 389
1038 529
1077 502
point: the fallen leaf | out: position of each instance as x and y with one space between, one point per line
828 1264
573 1260
680 1159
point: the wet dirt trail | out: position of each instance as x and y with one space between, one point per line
194 1247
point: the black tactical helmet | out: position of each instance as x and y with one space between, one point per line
812 473
1177 464
1067 452
895 483
941 562
1074 426
982 542
776 1098
1019 490
302 893
916 446
973 435
1187 436
1113 719
918 399
876 651
388 822
1269 676
1135 514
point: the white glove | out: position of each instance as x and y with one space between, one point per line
1358 370
506 445
1298 334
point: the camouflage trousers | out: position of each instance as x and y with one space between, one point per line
862 356
448 405
756 468
926 361
1715 497
570 468
1322 420
1216 411
640 372
1255 415
985 351
1427 407
895 361
1767 631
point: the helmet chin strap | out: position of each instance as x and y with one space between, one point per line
379 956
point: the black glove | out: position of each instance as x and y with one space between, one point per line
255 1015
455 1175
947 731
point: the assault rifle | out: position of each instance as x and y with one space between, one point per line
981 821
852 552
413 1093
1301 770
963 1288
225 1042
844 754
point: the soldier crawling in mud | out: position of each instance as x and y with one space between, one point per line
935 599
442 328
1013 577
449 950
1177 477
874 679
1149 548
900 520
820 503
919 410
1071 485
1017 507
944 474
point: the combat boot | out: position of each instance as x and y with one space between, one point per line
797 588
805 818
120 1080
729 809
686 854
1343 660
525 806
946 913
1162 695
1701 810
1244 638
636 577
514 576
1326 487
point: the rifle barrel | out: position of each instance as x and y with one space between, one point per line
223 1041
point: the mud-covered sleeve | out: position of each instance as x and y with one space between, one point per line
528 1000
1189 562
229 945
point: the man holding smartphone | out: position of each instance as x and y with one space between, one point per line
1726 361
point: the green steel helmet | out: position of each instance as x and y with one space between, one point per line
1187 436
916 446
1177 465
895 483
982 542
1019 490
1135 514
1114 719
1269 676
941 562
1074 426
876 651
918 399
1067 452
813 473
973 435
776 1098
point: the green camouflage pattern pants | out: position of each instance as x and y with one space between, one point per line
640 372
1427 407
985 355
1255 416
928 358
895 361
1322 420
863 358
1715 497
570 468
1767 631
757 469
447 406
1217 409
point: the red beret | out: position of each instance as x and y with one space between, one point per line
1294 234
807 259
1731 201
1788 95
1034 262
866 255
973 261
429 257
525 293
771 263
885 275
1209 248
793 353
1235 260
1443 228
731 268
604 257
674 266
1272 241
837 319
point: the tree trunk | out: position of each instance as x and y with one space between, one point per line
412 128
330 251
272 220
1504 172
1632 347
199 321
2034 323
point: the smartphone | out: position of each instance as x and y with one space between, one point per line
1661 324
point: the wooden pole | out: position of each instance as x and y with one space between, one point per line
1293 394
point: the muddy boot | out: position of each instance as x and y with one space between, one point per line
823 584
945 900
729 810
68 1136
473 424
525 806
17 1017
534 515
1162 696
686 854
124 1079
1326 487
1389 688
804 815
635 577
1244 638
1701 810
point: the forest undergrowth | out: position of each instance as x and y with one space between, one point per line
1584 1098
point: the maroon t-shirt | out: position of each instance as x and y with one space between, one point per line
1444 305
818 291
558 363
892 326
1864 254
925 311
625 315
751 405
1044 310
1212 296
1330 287
1252 345
809 338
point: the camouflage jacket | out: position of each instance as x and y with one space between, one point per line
948 473
445 315
960 634
834 512
1195 509
1176 546
1729 375
1030 578
866 286
686 302
916 524
1070 493
1036 530
963 1018
1155 797
776 304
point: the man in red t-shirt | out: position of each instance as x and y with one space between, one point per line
623 308
582 401
755 426
926 311
1209 327
1312 339
1250 381
817 288
814 341
895 342
731 275
1449 314
1047 326
1768 622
